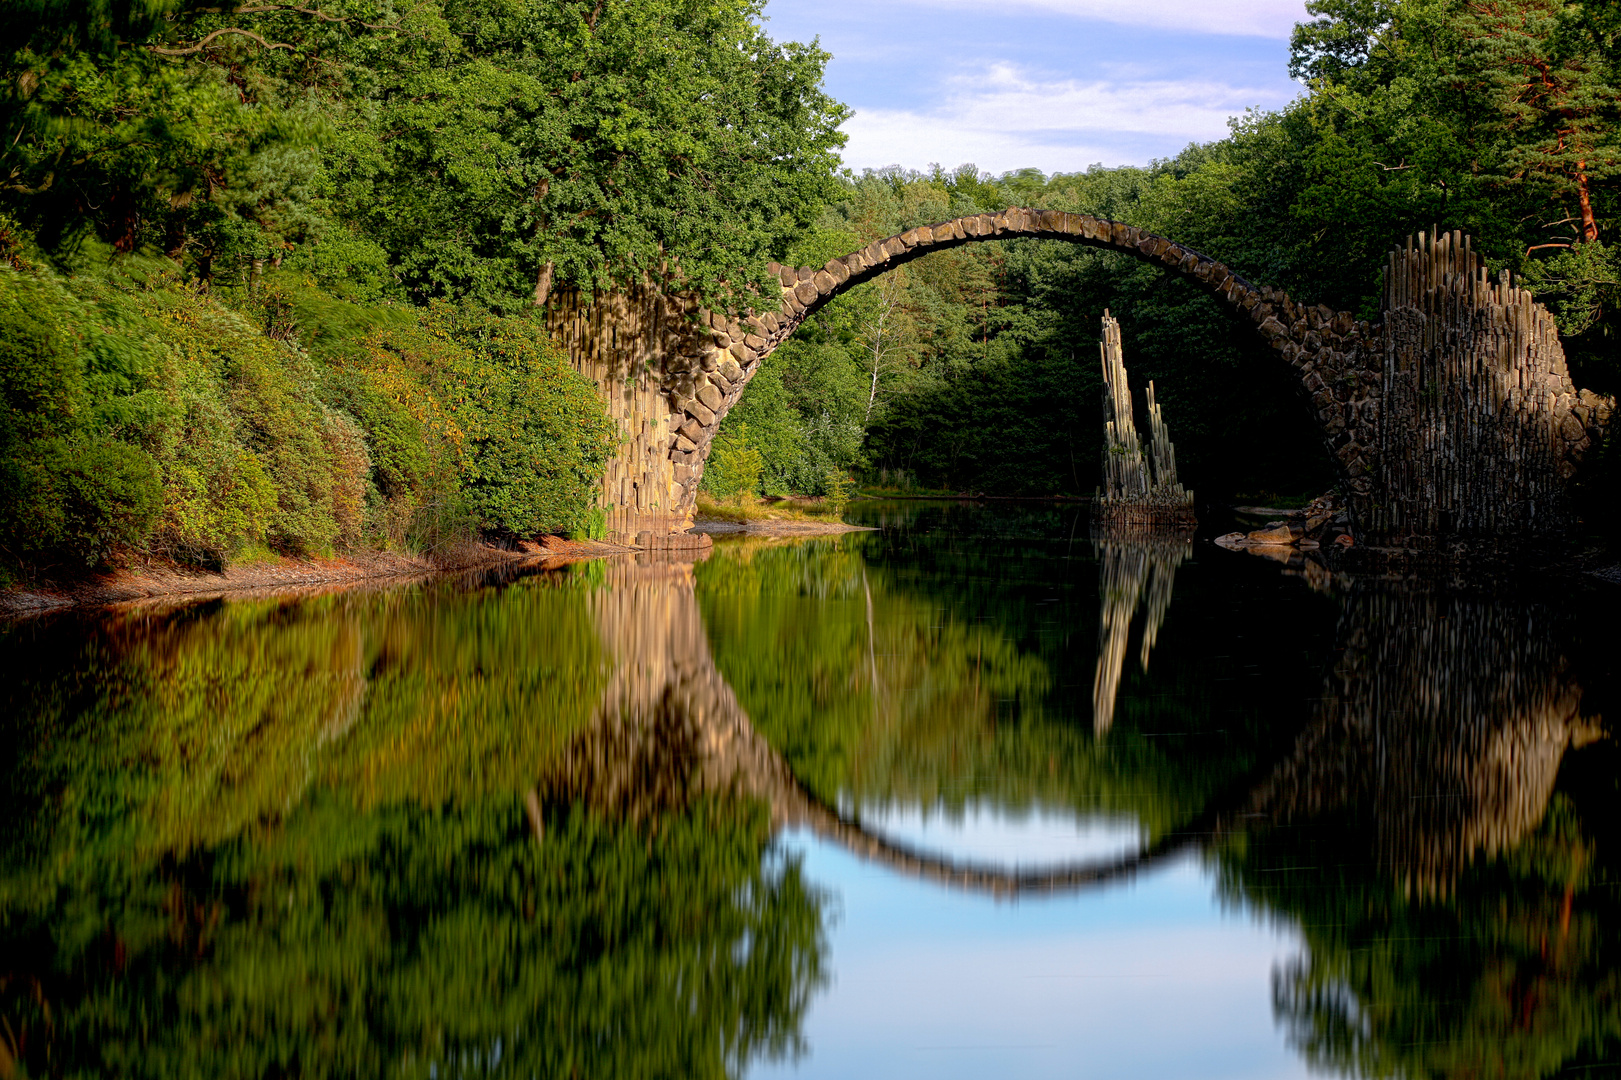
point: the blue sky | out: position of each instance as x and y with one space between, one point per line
1054 84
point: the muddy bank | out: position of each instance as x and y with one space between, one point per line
157 580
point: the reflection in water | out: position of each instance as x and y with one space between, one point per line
1443 724
1125 566
270 838
1457 910
526 825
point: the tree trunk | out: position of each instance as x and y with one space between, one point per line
1589 223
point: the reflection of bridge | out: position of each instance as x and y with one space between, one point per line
1416 709
1452 417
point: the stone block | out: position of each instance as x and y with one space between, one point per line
754 341
959 230
908 239
788 276
710 395
744 354
836 270
711 360
823 281
924 235
893 247
682 443
721 339
692 429
805 292
701 412
1119 234
1052 221
730 370
1272 329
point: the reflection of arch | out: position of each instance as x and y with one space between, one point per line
670 727
1471 700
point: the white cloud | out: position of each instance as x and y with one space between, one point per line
1253 18
1001 119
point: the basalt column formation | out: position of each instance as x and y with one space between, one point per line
1481 426
1137 490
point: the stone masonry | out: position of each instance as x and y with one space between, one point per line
670 371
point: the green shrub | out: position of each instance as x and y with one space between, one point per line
80 495
135 413
734 467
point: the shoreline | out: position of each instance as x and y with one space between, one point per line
775 527
160 581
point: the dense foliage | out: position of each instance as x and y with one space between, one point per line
273 268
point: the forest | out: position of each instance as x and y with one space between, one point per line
270 275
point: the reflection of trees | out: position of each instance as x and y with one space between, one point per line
1456 909
1126 568
388 908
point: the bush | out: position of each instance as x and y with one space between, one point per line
79 494
734 468
138 414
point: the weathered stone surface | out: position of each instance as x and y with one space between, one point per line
788 276
684 443
754 341
837 271
805 292
823 281
744 354
730 369
701 413
710 360
710 395
692 429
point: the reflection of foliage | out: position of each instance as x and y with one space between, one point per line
948 662
162 733
424 943
1515 971
265 838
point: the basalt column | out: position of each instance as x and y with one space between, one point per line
1480 426
1138 489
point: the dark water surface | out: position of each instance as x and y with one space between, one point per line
973 795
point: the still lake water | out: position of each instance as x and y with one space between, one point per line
972 795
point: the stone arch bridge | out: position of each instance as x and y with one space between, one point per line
1452 418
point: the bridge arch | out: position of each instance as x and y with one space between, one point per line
671 371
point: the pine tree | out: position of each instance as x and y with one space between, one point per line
1556 100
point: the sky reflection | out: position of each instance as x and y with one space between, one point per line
1150 978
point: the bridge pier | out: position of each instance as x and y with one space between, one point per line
1453 421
